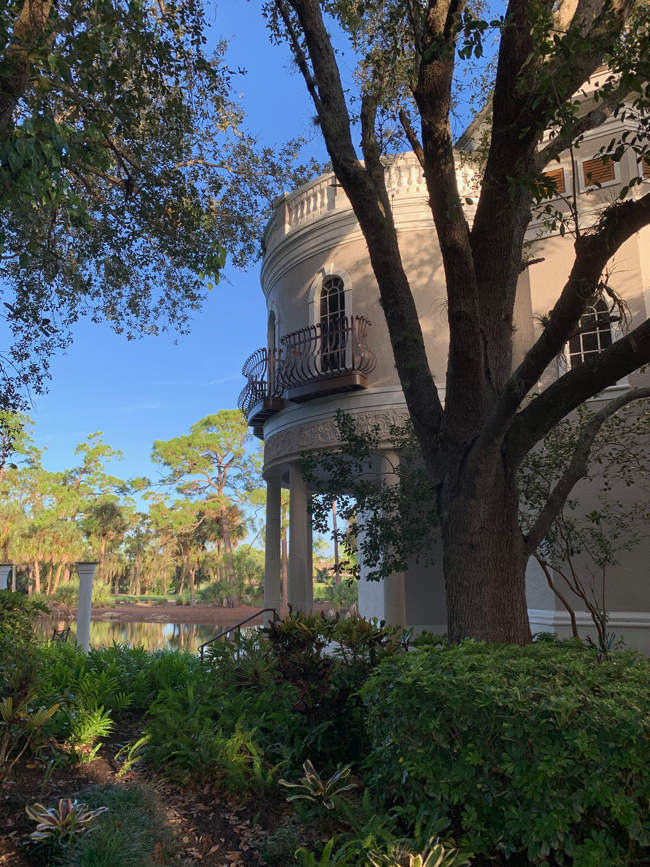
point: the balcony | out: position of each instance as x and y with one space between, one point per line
323 359
326 359
261 397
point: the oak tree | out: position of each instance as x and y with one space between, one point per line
126 173
409 55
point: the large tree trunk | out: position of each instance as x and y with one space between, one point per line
484 562
37 577
66 574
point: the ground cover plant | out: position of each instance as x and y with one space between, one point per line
400 750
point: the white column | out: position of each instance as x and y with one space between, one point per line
5 568
86 572
394 596
300 589
310 560
371 593
272 552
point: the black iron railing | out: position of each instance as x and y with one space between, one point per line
236 628
330 357
326 351
261 371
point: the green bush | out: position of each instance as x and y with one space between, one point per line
132 833
68 594
535 754
17 614
343 594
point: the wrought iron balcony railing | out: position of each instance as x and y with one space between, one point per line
328 358
261 397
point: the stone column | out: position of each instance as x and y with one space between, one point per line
371 593
301 590
394 596
272 553
4 575
86 572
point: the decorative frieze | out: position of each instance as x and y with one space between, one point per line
288 444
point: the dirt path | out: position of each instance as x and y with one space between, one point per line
209 827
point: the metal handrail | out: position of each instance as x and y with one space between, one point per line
261 371
326 350
237 626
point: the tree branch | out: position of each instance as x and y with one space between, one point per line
412 137
299 54
370 207
577 469
28 32
544 566
593 250
567 393
592 120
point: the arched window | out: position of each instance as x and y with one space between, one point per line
332 322
332 299
595 335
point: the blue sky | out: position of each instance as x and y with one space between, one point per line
155 388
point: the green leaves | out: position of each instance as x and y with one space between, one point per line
528 751
127 164
320 792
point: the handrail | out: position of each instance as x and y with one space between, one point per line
326 350
260 369
237 626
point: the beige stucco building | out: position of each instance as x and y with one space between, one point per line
328 348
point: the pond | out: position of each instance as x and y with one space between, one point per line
151 636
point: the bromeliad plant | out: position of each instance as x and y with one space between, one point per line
57 826
318 791
435 855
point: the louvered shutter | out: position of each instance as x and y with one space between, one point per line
598 172
557 175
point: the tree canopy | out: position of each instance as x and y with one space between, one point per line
560 71
126 173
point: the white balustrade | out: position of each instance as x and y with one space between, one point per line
404 178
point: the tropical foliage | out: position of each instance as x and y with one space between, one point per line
189 533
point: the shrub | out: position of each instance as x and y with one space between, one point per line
68 594
542 751
343 594
189 735
17 615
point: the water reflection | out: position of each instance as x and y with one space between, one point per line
151 636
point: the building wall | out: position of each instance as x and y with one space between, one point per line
314 234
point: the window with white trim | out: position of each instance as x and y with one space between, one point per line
594 337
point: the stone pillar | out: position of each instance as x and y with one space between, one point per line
4 575
272 552
394 596
301 590
371 593
86 572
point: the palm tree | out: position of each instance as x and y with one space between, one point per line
106 521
